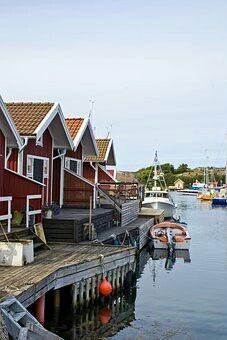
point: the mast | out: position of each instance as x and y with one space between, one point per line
155 168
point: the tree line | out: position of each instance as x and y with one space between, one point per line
183 172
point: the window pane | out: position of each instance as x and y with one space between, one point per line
29 166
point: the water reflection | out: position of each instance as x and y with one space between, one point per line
171 257
184 302
101 319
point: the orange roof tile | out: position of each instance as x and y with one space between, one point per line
74 125
28 116
102 147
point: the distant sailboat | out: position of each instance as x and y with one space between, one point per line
158 196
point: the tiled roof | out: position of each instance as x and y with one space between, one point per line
28 116
74 125
102 147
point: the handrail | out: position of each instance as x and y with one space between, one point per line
31 212
108 197
9 215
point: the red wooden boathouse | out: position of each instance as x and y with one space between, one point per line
96 168
45 138
78 189
16 191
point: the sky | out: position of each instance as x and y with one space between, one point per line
157 71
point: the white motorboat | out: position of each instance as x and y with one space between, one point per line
168 235
158 197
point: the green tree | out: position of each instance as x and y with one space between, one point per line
182 168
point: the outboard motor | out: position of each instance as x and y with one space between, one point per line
171 241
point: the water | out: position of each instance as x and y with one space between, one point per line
187 301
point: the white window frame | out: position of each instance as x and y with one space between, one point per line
79 161
32 157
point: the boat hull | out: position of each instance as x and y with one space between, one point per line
219 201
157 244
166 235
169 209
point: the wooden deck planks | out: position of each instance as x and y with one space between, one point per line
17 280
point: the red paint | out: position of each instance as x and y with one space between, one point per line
103 176
75 154
41 151
13 161
40 309
2 160
76 191
16 186
19 187
88 172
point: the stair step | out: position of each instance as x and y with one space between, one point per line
18 316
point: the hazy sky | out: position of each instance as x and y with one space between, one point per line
157 71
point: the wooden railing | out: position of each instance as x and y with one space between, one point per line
31 212
121 192
8 216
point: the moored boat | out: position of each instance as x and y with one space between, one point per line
158 196
168 235
221 198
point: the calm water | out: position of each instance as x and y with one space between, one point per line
188 301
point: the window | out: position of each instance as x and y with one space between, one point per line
37 168
30 167
74 165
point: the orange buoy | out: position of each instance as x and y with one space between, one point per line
105 315
105 288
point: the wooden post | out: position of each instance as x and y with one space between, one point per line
81 292
93 280
118 278
122 276
114 279
74 294
87 289
57 298
40 309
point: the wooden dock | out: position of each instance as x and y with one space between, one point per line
156 214
138 229
68 226
65 264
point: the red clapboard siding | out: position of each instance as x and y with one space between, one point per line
76 191
2 160
103 176
75 154
13 161
44 151
88 172
19 187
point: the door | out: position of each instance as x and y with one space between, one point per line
38 170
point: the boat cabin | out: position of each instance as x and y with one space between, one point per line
163 194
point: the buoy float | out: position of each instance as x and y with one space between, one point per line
105 315
105 288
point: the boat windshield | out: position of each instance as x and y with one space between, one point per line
157 194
